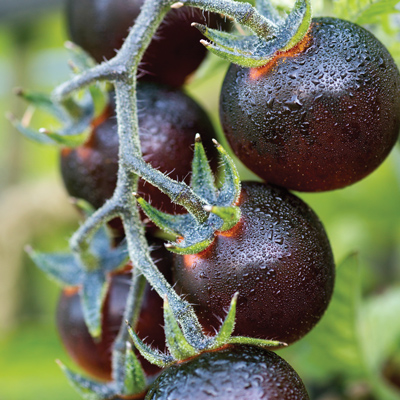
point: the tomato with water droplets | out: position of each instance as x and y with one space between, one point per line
277 257
319 117
234 372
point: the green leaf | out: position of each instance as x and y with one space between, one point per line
380 327
371 13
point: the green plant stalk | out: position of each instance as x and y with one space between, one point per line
122 71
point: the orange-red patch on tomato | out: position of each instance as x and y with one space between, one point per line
233 231
256 73
71 290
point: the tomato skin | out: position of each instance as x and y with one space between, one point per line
317 119
100 27
277 257
236 372
94 357
168 123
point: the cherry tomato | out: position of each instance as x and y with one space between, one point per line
277 257
318 117
100 27
95 356
235 372
168 123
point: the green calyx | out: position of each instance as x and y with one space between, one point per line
134 380
74 114
67 269
180 349
258 49
220 202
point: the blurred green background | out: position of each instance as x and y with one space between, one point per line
34 209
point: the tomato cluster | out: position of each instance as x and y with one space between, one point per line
319 117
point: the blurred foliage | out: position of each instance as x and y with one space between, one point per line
346 356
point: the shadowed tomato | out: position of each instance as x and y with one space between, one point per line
95 356
168 123
100 27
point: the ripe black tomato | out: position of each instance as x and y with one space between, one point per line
319 117
235 372
168 123
94 356
100 27
277 257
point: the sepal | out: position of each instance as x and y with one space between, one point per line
172 224
75 120
89 273
297 23
256 50
93 293
42 102
230 215
178 346
256 342
87 388
183 248
266 9
230 191
225 332
135 379
63 268
152 355
81 61
202 181
192 236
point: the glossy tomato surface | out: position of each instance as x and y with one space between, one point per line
168 123
94 357
319 117
232 373
277 257
100 27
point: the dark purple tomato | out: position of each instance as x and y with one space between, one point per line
234 372
94 357
318 117
277 257
100 27
168 123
